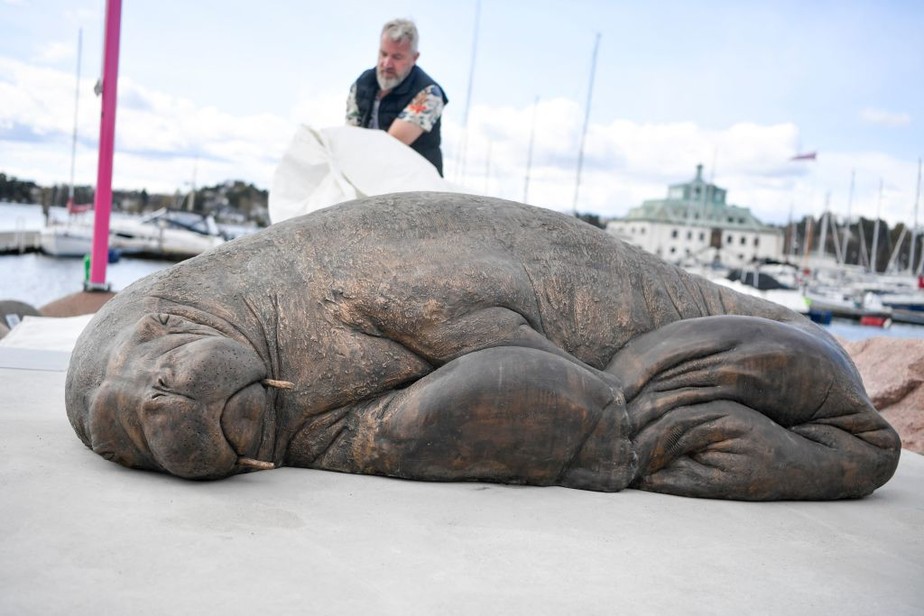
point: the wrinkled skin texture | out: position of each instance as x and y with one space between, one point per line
451 337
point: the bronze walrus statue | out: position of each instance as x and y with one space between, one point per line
452 337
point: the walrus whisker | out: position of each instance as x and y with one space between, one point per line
278 384
258 465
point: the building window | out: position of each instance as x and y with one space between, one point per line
743 240
689 235
756 241
673 249
674 233
728 239
702 236
642 231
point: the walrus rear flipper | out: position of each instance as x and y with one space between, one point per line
746 408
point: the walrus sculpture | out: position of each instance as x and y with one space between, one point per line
452 337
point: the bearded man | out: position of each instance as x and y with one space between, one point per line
398 97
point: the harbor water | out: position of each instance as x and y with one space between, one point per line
38 279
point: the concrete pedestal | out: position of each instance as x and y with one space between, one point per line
80 535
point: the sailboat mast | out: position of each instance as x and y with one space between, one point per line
874 256
70 189
853 175
863 257
823 240
914 227
792 233
191 199
590 92
529 152
463 146
840 256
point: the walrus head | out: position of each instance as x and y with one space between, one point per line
178 397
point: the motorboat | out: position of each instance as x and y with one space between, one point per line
866 307
164 234
775 282
167 234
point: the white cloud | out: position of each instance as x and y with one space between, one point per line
162 140
628 162
885 118
624 162
55 52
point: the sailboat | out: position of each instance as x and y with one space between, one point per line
74 208
164 234
73 237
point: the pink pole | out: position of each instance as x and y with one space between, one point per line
103 202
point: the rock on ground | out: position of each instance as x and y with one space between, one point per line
893 372
75 304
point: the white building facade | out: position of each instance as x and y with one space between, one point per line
694 224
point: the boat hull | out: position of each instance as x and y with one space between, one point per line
66 241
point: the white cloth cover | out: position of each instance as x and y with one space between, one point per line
322 167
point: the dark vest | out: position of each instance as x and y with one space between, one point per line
428 144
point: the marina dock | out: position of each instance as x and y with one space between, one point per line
19 241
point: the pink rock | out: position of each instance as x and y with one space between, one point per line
893 372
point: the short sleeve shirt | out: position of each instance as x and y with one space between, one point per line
424 110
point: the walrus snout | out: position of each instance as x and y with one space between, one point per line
214 410
181 399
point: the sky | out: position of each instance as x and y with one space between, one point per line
214 90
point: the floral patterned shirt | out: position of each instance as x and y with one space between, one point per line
424 110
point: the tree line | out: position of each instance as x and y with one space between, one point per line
232 198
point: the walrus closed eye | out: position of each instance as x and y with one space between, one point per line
451 337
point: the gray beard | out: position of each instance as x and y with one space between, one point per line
387 84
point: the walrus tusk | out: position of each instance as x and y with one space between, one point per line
258 465
278 384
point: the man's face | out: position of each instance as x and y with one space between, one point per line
395 62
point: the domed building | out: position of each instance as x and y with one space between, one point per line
694 224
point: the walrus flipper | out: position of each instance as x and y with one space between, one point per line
505 414
747 408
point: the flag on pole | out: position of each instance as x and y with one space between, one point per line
806 156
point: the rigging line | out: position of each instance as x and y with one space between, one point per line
914 227
874 250
529 151
590 92
70 191
853 177
463 145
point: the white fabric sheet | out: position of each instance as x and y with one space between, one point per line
323 167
